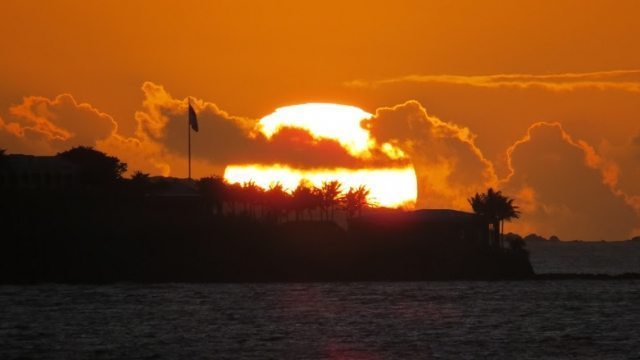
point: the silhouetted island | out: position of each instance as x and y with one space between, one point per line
73 218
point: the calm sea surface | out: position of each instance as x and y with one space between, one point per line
585 257
429 320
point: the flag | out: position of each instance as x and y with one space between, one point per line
193 119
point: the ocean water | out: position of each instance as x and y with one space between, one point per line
577 319
585 257
422 320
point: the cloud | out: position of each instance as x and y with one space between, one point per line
42 125
609 170
566 188
226 139
448 164
624 80
159 145
636 141
563 185
627 156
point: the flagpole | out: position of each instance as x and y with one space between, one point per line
189 136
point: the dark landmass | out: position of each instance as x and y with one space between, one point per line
584 257
115 235
535 238
73 218
625 276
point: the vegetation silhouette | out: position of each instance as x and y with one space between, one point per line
275 204
305 198
495 208
96 168
356 200
330 197
109 228
215 193
516 243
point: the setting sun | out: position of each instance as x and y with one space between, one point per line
319 180
393 186
402 193
330 121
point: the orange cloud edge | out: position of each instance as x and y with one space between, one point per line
148 149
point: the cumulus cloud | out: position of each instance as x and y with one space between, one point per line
625 80
226 139
627 156
448 164
42 125
159 145
566 188
636 140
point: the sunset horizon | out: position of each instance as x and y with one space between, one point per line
537 100
379 140
286 179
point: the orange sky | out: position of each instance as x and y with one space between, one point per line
114 74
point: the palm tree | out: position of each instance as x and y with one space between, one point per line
302 198
277 200
330 197
355 200
252 196
315 202
495 208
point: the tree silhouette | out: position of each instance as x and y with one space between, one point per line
277 200
315 202
305 197
214 190
139 184
140 179
252 197
355 200
302 198
495 208
96 168
516 243
277 203
330 197
234 194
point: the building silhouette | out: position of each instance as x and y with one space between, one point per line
19 171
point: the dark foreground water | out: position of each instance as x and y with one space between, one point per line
431 320
585 257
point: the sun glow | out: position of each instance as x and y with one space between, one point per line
390 187
330 121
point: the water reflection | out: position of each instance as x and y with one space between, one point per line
320 321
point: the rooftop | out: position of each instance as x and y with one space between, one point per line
422 216
30 163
